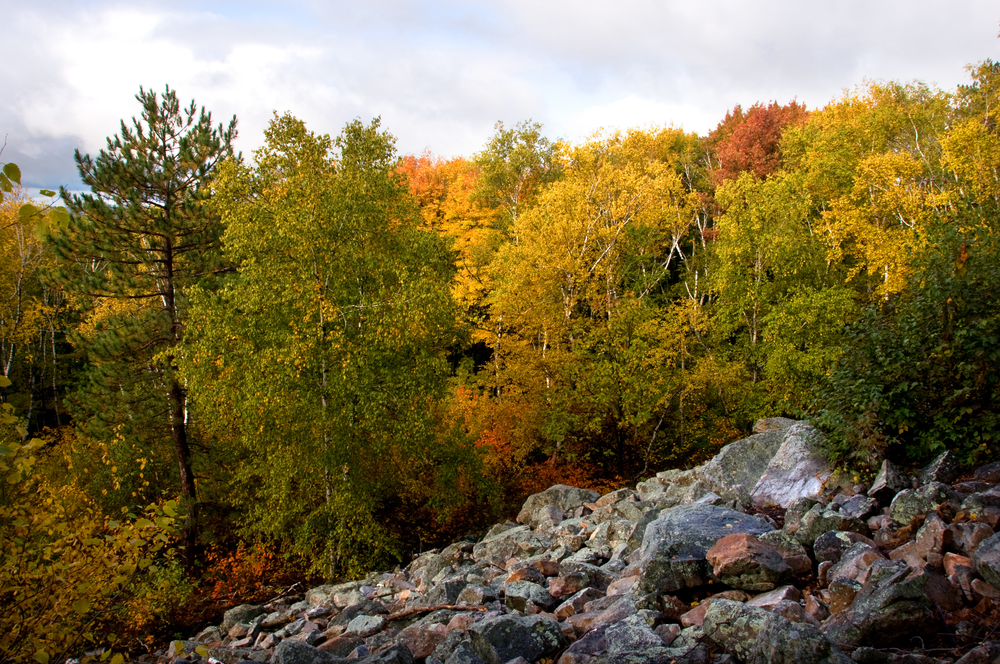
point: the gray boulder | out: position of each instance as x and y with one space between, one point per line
756 636
243 613
522 595
300 652
986 560
797 469
892 604
567 498
942 469
821 519
520 542
889 481
673 550
531 637
738 466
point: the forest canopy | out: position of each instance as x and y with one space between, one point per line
219 373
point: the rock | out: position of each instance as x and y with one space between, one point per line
243 613
299 652
766 424
576 602
675 544
615 496
756 636
474 594
797 469
983 507
470 648
524 595
986 560
632 634
326 594
942 469
213 633
987 653
966 537
858 506
341 646
519 542
790 549
988 473
855 562
600 578
819 520
568 584
565 497
738 466
889 481
769 599
531 637
842 592
832 544
893 604
795 512
743 562
365 626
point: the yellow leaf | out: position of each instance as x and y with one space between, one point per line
42 657
117 659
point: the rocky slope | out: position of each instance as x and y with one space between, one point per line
753 557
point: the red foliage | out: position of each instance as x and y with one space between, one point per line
751 141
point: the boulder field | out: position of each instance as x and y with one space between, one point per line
754 557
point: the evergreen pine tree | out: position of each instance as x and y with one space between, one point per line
128 252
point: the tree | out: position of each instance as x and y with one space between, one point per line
751 141
326 351
129 251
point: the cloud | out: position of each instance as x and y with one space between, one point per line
441 72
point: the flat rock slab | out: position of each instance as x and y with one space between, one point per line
674 547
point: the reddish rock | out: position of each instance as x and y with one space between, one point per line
526 574
622 586
668 633
341 646
816 608
581 622
741 561
696 616
546 567
461 622
951 560
983 589
573 582
421 639
769 599
966 537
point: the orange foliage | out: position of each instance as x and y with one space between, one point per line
750 141
252 572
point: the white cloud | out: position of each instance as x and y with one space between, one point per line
441 72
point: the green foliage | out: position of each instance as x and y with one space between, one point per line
326 351
921 376
128 253
65 569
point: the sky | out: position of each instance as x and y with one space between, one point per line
440 74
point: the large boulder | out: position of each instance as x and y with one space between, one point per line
530 637
894 603
519 542
300 652
797 469
243 613
987 560
757 636
674 547
743 562
738 466
566 498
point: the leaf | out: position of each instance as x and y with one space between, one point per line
26 212
47 192
170 508
117 659
13 172
143 523
42 657
201 650
5 184
5 382
4 450
81 606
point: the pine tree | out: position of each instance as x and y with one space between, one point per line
130 249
